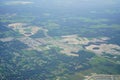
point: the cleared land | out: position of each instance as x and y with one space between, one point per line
69 44
103 77
104 48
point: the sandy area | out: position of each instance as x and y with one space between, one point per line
104 48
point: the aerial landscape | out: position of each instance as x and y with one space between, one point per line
59 40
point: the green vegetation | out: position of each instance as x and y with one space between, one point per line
50 25
97 60
113 26
16 18
87 20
